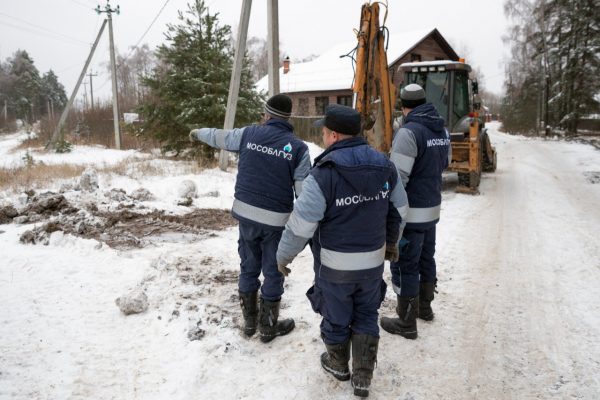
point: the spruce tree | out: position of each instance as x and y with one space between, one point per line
25 91
190 84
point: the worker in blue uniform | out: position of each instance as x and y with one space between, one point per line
420 151
273 164
351 207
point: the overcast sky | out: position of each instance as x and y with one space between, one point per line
58 34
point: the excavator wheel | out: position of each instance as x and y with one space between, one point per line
489 161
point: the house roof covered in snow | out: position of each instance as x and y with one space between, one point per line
333 71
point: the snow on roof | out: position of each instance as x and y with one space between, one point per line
330 72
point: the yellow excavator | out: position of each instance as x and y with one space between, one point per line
447 86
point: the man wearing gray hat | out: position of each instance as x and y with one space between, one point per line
351 207
420 151
272 165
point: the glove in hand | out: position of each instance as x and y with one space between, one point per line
391 252
192 135
283 269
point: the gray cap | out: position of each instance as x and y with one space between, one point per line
412 96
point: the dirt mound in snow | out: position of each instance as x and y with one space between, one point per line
120 229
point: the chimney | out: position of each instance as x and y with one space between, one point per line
286 65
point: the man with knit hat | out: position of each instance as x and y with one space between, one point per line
421 151
272 166
351 206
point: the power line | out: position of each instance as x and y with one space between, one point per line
138 42
70 41
43 28
82 4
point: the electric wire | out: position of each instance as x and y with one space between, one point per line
39 27
137 44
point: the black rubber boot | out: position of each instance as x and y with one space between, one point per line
335 360
406 324
426 295
364 357
268 324
249 311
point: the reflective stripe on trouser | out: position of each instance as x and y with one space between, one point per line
416 263
352 261
257 247
423 215
258 214
347 308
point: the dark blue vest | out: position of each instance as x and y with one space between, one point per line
269 154
424 188
356 182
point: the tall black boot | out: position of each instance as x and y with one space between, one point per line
249 311
364 357
406 324
335 360
426 295
268 325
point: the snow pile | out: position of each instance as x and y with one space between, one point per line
507 323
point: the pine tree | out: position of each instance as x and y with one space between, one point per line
24 94
189 86
52 93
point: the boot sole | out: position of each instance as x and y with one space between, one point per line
394 331
427 318
361 392
268 338
336 374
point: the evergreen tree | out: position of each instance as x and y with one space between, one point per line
52 92
190 84
553 73
26 86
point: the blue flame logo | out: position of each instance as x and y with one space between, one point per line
287 148
386 186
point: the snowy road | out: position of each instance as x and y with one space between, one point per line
517 313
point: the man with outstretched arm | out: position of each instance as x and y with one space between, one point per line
272 165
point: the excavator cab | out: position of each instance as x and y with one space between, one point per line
448 87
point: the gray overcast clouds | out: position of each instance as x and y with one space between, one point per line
58 33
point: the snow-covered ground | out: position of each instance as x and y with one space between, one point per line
517 313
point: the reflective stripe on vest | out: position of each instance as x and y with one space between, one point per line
352 261
259 215
422 215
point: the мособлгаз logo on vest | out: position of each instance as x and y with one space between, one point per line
386 186
287 148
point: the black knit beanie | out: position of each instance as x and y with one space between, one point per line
279 106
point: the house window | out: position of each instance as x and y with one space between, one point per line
345 100
414 57
302 106
320 104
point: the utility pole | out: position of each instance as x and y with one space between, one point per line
273 45
236 74
58 130
91 87
85 101
109 11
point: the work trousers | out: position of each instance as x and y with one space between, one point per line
416 262
347 308
257 247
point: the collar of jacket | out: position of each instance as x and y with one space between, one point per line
342 144
282 123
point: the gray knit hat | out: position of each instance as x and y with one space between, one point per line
279 106
412 96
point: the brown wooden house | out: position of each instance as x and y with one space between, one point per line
328 79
